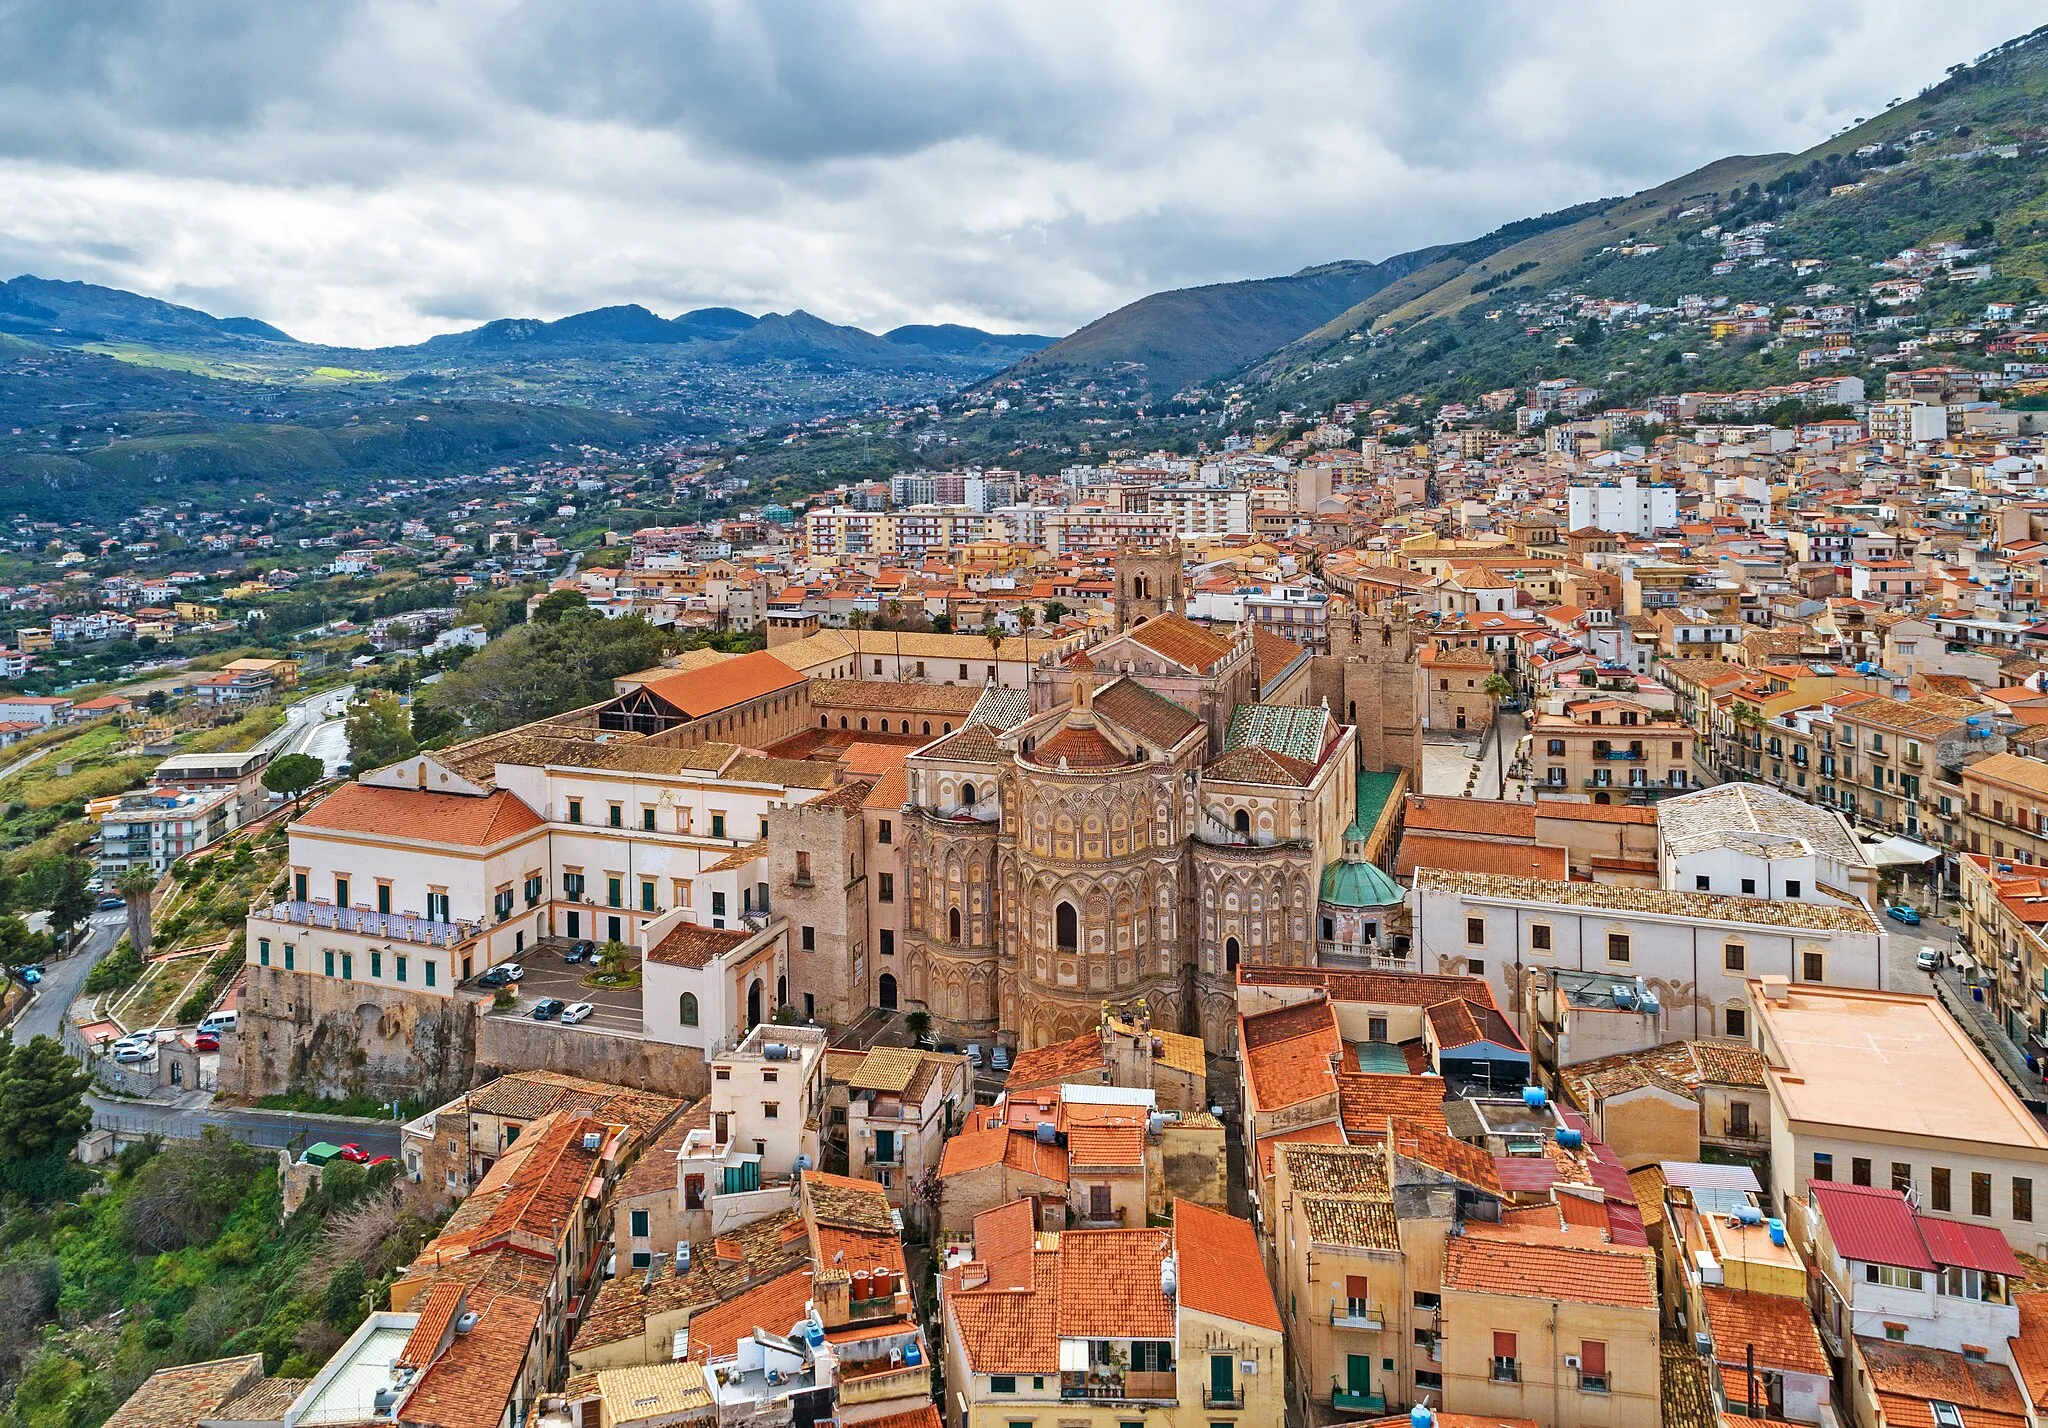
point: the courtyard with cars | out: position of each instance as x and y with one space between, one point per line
547 985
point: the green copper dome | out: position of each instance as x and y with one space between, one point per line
1348 884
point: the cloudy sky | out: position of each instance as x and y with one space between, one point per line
366 172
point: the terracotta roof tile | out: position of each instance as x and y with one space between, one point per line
1780 1327
1145 713
451 819
716 1331
1060 1061
1080 747
689 945
1220 1269
1366 1099
1118 1146
1472 855
1485 817
698 692
1614 1275
472 1383
180 1397
1907 1377
2030 1348
1109 1285
1005 1330
1182 641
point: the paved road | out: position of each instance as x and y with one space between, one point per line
65 978
267 1128
26 759
309 728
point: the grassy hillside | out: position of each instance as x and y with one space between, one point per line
1459 327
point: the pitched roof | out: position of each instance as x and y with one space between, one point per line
1474 855
1778 1325
1011 1330
697 692
1293 731
716 1331
1486 817
451 819
471 1384
1871 1223
1182 641
1907 1377
1148 714
180 1397
1221 1272
1579 1273
1110 1285
689 945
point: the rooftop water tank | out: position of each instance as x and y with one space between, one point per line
1533 1097
1777 1231
1047 1133
1569 1138
1420 1417
1169 1278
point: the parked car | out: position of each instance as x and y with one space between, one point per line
136 1038
502 975
206 1041
32 974
512 970
585 951
220 1021
354 1153
1899 912
546 1007
1929 959
378 1160
108 904
577 1011
134 1053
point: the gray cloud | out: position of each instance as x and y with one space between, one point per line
369 171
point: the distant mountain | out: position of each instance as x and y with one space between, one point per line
954 340
1189 335
86 312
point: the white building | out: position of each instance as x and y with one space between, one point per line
1695 951
1625 507
767 1095
1754 841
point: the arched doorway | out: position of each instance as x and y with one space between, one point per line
754 1003
1601 798
1066 926
1231 952
1242 822
885 991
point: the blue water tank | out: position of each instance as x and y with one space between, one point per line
1420 1417
1777 1232
1532 1097
1569 1138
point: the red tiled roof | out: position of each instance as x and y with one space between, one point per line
715 1331
1583 1273
1182 641
1366 1099
1488 817
703 691
471 1384
446 818
1110 1285
1778 1325
1968 1246
2030 1348
1471 855
1221 1271
1081 748
689 945
1006 1330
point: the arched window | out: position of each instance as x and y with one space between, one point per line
782 991
689 1009
842 721
948 726
967 798
1231 952
1242 822
863 721
823 721
927 726
953 924
1066 928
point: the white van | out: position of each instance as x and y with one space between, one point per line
219 1022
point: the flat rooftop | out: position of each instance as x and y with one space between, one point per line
349 1395
1886 1062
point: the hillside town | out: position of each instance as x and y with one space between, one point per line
1497 924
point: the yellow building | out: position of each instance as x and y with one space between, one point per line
1169 1328
1561 1329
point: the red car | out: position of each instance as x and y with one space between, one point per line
380 1160
206 1041
355 1153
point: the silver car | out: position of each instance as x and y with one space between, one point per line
577 1011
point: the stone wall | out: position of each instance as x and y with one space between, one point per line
335 1038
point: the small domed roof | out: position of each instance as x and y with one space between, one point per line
1359 884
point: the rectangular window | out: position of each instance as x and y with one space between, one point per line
615 891
637 1224
575 810
348 967
647 819
384 898
1737 1022
1732 957
2022 1198
1980 1194
1592 1366
328 957
770 1110
1002 1383
429 965
376 963
886 833
437 906
400 967
803 868
1539 937
718 825
888 942
263 951
1505 1368
647 894
1702 883
1475 930
718 907
1792 887
299 887
1823 1166
810 939
288 956
1617 947
885 887
1859 1170
1902 1176
1749 887
340 891
1938 1184
616 815
1813 966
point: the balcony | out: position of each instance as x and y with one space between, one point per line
1123 1386
1635 756
1111 1218
1214 1397
878 1384
1345 1402
1356 1314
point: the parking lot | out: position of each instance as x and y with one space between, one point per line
547 975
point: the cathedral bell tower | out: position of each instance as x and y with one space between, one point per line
1148 583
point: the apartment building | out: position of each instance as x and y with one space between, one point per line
1696 951
1172 1328
2005 939
1874 1087
2002 801
154 828
1610 750
902 1105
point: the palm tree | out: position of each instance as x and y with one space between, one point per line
993 633
136 884
1747 717
1496 689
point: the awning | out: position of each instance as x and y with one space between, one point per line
1899 851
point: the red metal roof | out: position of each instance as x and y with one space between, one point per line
1871 1224
1971 1246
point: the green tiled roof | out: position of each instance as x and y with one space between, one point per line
1282 728
1349 884
1374 789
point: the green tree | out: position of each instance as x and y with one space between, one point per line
42 1104
342 1304
379 732
19 947
431 722
137 884
534 671
292 774
612 959
1496 689
70 900
557 605
1055 611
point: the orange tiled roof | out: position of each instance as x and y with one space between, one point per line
1321 1133
1577 1273
1110 1287
446 818
1221 1271
1779 1326
1907 1377
1472 855
1006 1330
1182 641
1081 748
1366 1099
1106 1145
721 686
689 945
1061 1061
471 1384
715 1331
2030 1348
